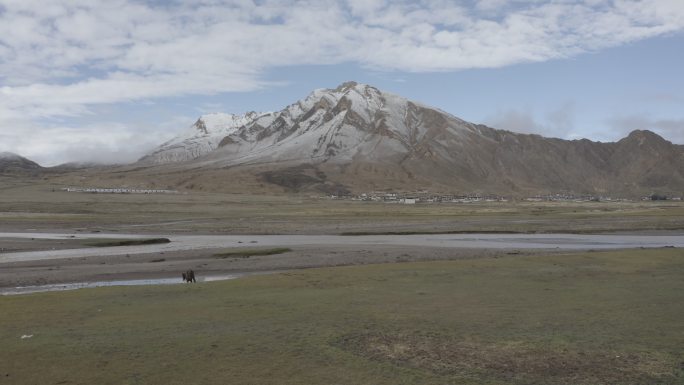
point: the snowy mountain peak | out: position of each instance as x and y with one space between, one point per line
355 136
201 126
219 123
200 138
329 125
336 125
347 85
353 91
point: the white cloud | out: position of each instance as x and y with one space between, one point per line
60 58
558 123
517 121
106 142
50 40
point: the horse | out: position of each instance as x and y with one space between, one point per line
189 276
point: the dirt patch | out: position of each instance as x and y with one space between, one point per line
251 252
303 178
513 362
124 242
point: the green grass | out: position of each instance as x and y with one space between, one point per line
246 253
108 242
591 318
35 206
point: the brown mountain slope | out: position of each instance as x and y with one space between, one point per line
11 163
358 138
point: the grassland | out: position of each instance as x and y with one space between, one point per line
592 318
43 207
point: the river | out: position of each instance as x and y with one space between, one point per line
196 242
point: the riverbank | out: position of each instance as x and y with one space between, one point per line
169 265
607 317
213 255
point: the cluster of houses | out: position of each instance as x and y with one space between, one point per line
407 198
570 198
421 196
426 197
95 190
661 197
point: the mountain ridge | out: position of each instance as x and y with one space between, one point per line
201 138
12 163
356 137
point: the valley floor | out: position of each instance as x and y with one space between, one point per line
210 263
33 206
44 207
599 318
337 313
30 260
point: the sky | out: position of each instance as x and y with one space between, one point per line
107 81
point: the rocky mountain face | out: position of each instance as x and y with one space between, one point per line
10 162
356 137
351 123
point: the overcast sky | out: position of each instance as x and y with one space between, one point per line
106 81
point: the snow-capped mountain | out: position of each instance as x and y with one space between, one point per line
199 139
353 121
358 137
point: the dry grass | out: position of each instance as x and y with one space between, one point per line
560 319
513 361
36 206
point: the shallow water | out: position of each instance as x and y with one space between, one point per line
130 282
198 242
484 241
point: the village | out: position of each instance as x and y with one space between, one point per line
411 198
427 197
96 190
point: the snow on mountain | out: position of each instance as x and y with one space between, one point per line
349 122
200 138
358 137
338 125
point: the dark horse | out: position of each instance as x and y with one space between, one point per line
189 276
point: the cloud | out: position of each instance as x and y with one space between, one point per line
69 43
61 58
558 123
106 143
516 121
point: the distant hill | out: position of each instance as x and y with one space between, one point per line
12 163
358 138
73 166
